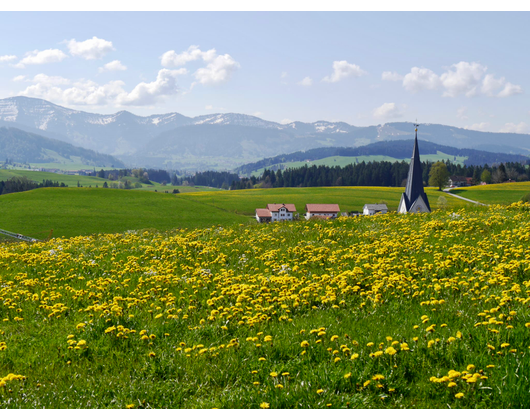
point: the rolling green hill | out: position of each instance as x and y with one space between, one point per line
84 211
390 151
20 146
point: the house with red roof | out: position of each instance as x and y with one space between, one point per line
275 213
321 211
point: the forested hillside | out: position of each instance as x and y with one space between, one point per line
23 147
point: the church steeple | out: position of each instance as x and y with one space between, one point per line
414 199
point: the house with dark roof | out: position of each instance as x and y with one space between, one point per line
325 211
371 209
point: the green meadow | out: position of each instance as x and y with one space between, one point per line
84 211
495 193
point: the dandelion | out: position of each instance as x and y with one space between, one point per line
334 337
451 384
320 391
504 345
347 376
470 367
459 395
354 356
264 405
366 383
273 374
391 351
304 344
378 377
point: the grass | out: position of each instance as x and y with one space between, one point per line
495 193
391 311
83 211
349 198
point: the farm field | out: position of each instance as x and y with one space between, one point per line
495 193
84 211
390 311
348 198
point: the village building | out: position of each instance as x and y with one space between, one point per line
371 209
275 213
324 211
414 199
460 181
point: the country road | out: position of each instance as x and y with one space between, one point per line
447 191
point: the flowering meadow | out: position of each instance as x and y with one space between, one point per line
390 311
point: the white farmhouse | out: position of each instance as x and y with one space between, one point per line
327 211
371 209
275 213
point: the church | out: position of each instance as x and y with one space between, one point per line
414 199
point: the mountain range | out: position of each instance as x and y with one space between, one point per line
222 141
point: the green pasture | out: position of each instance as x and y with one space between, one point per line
348 198
495 193
84 211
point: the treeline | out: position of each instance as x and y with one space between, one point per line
21 183
208 179
144 176
377 174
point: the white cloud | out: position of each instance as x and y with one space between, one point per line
306 81
91 49
218 70
19 78
387 110
208 107
391 76
342 70
521 128
88 92
172 59
283 75
483 126
286 121
41 57
150 93
7 58
462 78
421 79
258 113
115 65
283 78
461 113
509 90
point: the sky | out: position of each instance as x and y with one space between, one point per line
466 69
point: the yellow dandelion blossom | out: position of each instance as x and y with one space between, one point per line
459 395
391 351
264 405
347 376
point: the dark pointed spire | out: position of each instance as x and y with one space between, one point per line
414 189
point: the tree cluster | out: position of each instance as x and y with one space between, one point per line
21 183
382 174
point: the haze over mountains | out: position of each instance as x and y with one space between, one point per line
222 141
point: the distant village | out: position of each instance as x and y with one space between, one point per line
413 200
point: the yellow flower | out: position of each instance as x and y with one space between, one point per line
389 338
80 325
370 344
320 391
264 405
458 335
366 383
279 386
334 337
391 351
504 345
129 406
273 374
337 359
347 376
459 395
304 344
354 356
451 384
152 354
378 377
470 367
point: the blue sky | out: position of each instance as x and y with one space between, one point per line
467 69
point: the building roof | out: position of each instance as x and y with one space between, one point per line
263 213
376 207
277 207
414 187
322 208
